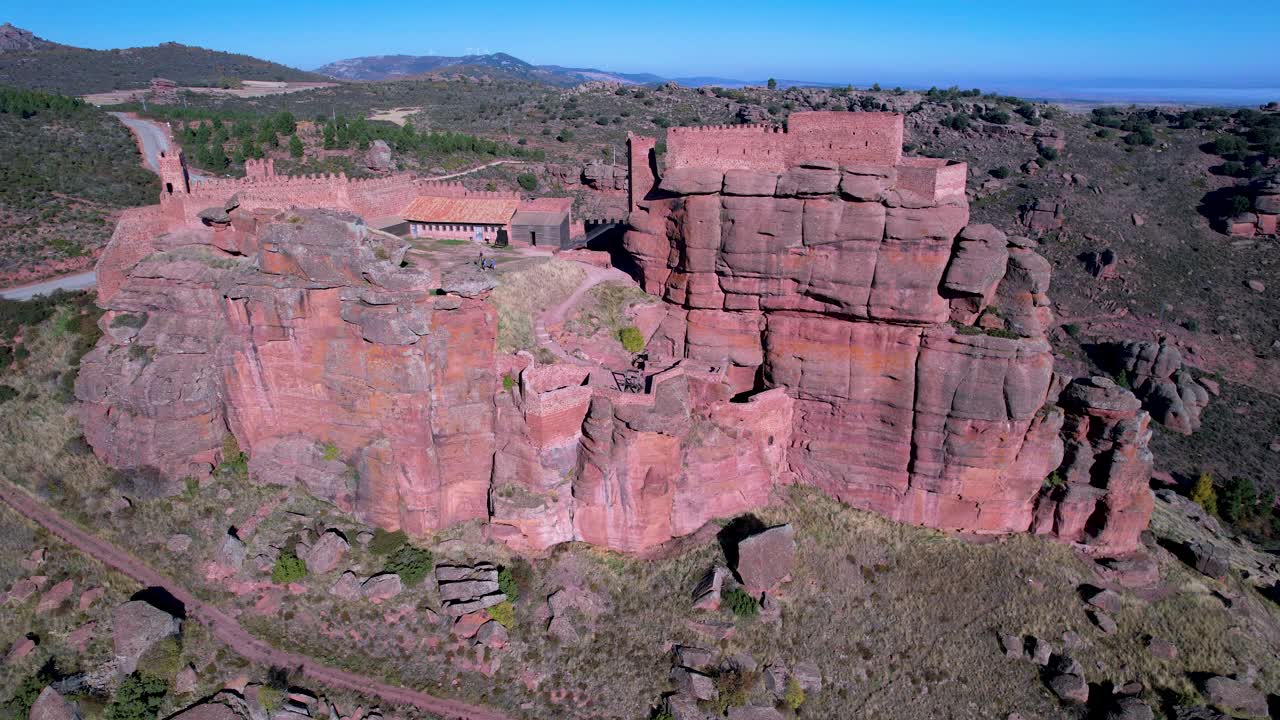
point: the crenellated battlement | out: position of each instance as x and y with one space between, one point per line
844 137
748 127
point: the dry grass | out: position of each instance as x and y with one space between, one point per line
523 294
605 306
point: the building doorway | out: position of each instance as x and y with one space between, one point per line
533 238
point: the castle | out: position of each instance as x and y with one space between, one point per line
829 317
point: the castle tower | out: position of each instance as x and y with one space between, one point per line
260 168
641 168
173 175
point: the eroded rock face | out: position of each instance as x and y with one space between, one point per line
1167 389
912 344
332 366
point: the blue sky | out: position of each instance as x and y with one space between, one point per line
1183 43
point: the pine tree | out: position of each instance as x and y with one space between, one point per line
295 147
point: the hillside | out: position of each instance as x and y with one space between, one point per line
492 66
15 38
78 71
66 168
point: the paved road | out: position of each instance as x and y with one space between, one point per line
153 138
79 281
225 628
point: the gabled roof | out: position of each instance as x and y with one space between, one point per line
461 210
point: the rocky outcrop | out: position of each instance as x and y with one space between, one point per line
836 323
301 336
1099 495
912 343
1167 389
1263 218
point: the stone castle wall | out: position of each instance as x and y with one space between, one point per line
841 137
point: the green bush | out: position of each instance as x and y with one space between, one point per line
1048 153
1238 501
504 613
632 340
528 181
7 393
508 381
385 543
289 568
794 696
331 452
130 320
741 603
138 698
507 584
1001 172
411 564
234 461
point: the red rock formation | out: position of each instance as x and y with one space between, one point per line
830 318
836 283
302 336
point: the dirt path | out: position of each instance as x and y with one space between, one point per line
478 168
226 629
556 314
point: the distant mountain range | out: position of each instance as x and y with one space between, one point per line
32 62
508 67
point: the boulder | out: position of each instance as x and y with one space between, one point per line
1103 621
49 705
326 553
1162 649
347 587
55 597
1065 677
706 596
383 586
766 559
1236 697
1208 558
184 683
1129 708
492 634
1105 600
379 158
136 626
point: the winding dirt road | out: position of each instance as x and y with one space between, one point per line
226 629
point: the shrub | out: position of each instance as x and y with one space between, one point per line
1239 204
385 543
130 320
137 698
1230 147
632 340
411 564
794 696
528 181
507 584
289 568
1122 379
1054 480
7 393
1204 495
504 613
1048 153
741 603
508 381
999 117
733 688
269 697
1001 172
234 461
331 452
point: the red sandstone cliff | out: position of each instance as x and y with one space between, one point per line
830 319
300 334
